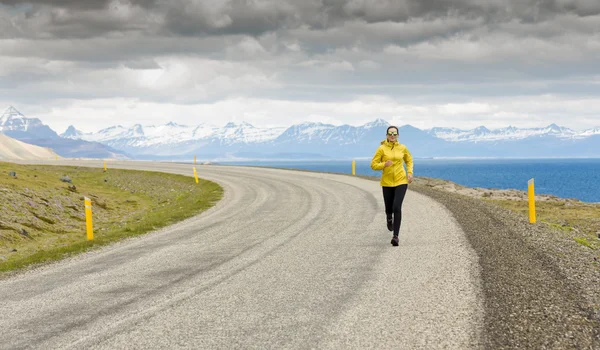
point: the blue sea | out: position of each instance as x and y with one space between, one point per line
566 178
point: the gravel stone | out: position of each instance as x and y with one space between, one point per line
540 291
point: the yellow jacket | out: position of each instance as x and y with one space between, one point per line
393 175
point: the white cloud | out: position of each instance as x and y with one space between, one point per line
368 64
466 108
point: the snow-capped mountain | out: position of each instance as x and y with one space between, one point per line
315 140
590 132
16 125
31 130
509 133
305 140
176 139
244 132
10 115
173 133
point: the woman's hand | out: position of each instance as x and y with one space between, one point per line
410 178
387 163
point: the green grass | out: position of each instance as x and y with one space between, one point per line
43 220
560 227
583 241
579 220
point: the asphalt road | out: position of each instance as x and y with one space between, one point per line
286 260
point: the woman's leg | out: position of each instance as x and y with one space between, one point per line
400 192
388 200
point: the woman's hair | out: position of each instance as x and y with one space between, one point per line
391 127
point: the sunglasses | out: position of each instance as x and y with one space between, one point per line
392 133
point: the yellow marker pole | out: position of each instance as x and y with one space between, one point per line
88 218
195 175
531 196
104 165
353 167
194 160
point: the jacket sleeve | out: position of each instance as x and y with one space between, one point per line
376 163
408 159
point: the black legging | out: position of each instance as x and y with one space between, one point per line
393 198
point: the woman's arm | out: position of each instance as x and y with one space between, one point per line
408 160
376 162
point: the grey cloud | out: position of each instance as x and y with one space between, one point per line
492 10
112 51
80 19
430 35
85 19
142 64
235 17
77 4
95 19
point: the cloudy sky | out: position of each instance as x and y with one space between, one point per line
460 63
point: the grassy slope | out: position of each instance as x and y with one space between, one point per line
43 220
579 220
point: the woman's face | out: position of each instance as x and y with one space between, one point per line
392 135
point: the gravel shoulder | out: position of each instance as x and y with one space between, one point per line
540 289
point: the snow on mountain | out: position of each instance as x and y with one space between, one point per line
16 125
173 133
509 133
13 120
319 133
244 133
377 123
164 134
309 139
10 114
308 131
590 132
33 131
450 134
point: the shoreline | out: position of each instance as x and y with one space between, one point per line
493 193
496 187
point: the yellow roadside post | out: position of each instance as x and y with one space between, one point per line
194 160
353 167
104 165
531 196
195 175
88 218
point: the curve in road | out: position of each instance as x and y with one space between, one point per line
286 259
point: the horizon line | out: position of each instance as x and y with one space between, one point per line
238 123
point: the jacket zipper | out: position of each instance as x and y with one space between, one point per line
393 165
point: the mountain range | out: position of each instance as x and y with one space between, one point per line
306 140
33 131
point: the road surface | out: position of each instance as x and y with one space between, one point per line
287 259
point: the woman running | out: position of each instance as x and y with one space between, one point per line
390 157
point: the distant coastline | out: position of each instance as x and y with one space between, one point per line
550 174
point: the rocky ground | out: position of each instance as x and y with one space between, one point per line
542 288
488 193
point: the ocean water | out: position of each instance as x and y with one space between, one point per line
566 178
